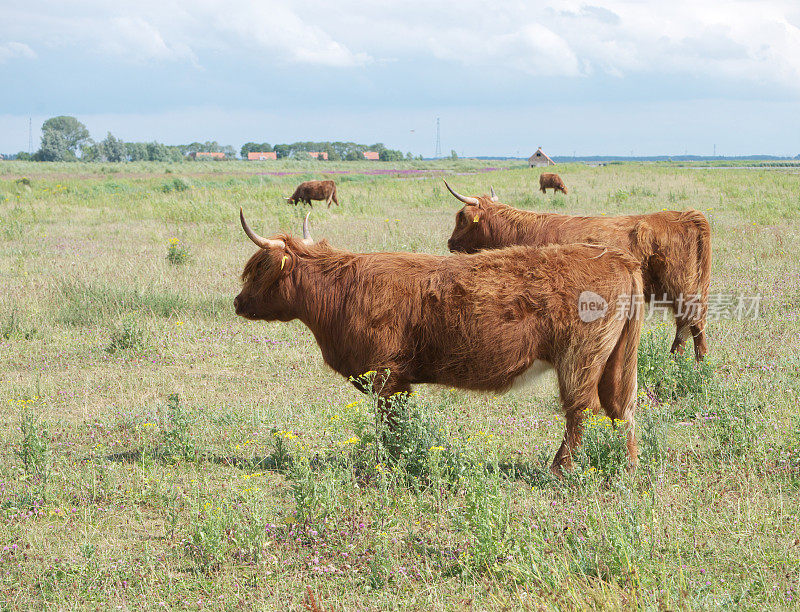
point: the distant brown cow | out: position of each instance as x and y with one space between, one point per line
548 180
483 322
674 249
314 190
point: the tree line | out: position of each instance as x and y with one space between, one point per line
64 138
336 151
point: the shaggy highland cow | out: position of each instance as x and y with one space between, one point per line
484 322
673 248
548 180
314 190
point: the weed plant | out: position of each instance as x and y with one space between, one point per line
177 254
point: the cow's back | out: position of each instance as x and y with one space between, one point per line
512 307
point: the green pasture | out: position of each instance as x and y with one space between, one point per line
161 453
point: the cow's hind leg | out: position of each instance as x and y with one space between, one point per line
682 332
699 337
690 320
578 387
618 390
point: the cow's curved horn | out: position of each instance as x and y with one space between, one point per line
494 195
465 199
307 239
264 243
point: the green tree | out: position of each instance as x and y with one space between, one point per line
69 130
390 155
114 149
91 151
54 147
254 147
136 151
24 156
175 153
283 150
157 151
453 154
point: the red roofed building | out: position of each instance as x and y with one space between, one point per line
372 155
316 154
261 155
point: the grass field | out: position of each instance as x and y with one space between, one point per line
159 452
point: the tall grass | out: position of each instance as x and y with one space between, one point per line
207 461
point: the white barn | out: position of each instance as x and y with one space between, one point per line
540 158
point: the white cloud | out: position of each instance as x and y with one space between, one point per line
11 50
179 30
749 41
138 39
271 27
752 41
533 49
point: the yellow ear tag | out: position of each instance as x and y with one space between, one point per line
283 261
475 220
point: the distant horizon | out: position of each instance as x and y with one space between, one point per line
168 130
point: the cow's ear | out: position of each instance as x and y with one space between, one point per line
286 262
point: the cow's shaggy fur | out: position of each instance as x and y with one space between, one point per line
548 180
314 190
469 321
673 248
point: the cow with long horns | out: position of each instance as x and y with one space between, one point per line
672 247
482 322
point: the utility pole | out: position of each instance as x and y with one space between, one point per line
438 151
30 135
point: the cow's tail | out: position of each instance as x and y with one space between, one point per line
631 332
698 219
643 240
698 324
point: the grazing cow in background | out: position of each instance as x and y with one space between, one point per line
674 249
483 322
314 190
548 180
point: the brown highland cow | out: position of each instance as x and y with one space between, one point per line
484 322
548 180
673 248
314 190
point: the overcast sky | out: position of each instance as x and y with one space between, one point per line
596 77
